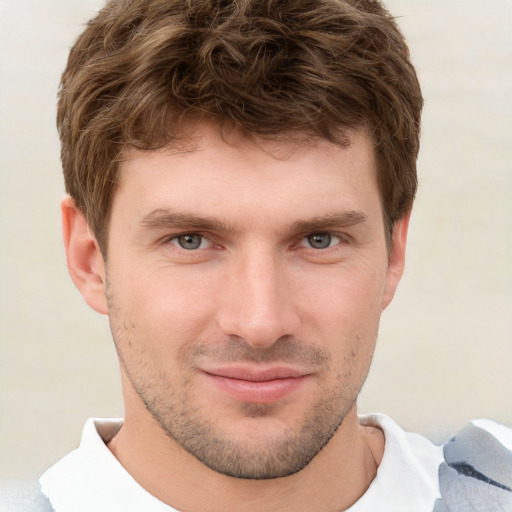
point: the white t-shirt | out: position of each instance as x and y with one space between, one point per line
90 478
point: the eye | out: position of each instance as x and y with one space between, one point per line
321 240
190 241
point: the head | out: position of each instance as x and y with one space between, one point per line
143 74
240 174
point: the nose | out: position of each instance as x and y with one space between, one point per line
257 304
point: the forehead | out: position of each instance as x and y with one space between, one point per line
213 172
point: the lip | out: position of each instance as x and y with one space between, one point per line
257 385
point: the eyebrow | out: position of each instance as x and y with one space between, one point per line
167 219
163 218
341 220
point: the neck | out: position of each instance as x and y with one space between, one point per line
333 480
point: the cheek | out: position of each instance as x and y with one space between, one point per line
343 315
163 307
347 298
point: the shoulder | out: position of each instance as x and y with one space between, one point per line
23 496
477 470
403 445
408 473
472 471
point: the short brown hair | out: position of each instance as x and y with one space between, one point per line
142 68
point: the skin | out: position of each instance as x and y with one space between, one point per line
265 259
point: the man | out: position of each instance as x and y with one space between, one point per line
240 179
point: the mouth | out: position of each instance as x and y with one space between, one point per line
261 386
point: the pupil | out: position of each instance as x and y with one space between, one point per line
189 241
320 240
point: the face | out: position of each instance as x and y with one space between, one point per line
245 284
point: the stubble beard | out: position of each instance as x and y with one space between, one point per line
278 455
273 455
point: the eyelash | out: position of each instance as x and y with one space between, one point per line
332 235
341 239
175 238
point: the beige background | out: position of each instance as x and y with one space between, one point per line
445 349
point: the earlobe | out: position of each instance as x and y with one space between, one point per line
396 262
84 259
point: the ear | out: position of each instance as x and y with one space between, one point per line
85 261
396 259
